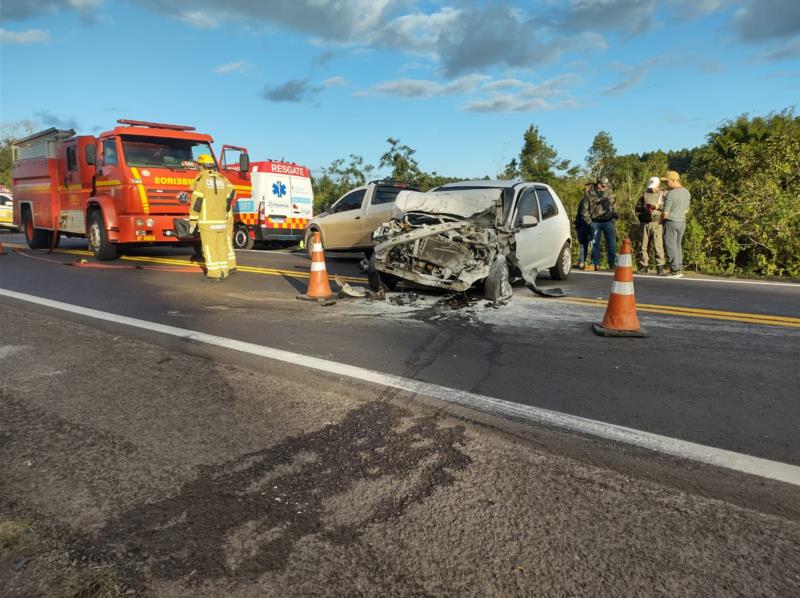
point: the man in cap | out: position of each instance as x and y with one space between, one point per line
599 211
211 196
648 211
676 204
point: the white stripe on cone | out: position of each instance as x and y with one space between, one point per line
624 260
317 266
316 247
622 288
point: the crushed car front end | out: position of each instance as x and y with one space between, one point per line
447 239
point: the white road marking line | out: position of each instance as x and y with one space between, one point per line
683 449
765 283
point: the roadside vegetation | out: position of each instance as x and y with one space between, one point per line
745 185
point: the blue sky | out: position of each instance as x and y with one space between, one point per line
314 80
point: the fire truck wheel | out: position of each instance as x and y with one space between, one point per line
36 237
241 238
98 239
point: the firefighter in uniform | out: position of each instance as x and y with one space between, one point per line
212 197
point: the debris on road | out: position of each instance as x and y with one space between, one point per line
406 298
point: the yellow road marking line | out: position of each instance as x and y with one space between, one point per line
700 313
184 262
694 310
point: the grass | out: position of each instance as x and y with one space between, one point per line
99 582
12 533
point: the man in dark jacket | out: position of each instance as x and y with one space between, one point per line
583 231
599 211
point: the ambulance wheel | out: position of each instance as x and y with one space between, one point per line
36 237
379 280
241 238
102 249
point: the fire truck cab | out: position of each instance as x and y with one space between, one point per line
124 186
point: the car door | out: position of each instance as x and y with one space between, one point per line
550 235
530 249
342 228
379 210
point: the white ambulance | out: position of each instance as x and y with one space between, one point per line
275 205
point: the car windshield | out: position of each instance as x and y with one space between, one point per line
158 152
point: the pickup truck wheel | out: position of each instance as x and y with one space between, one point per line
564 264
241 238
102 249
309 240
35 237
379 280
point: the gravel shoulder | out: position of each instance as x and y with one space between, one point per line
127 468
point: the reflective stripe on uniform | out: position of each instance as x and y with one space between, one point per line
624 260
622 288
212 221
317 266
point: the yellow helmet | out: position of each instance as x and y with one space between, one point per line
205 161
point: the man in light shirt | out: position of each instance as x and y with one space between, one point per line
676 204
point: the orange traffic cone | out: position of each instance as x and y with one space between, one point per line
2 249
621 318
318 285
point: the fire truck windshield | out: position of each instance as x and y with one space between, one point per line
157 152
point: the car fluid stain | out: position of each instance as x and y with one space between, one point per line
244 517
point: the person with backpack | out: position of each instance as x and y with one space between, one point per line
648 211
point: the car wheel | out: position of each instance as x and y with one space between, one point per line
102 249
496 286
379 280
35 237
241 238
564 264
309 240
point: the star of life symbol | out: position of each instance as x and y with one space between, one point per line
278 189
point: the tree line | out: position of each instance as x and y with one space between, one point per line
744 181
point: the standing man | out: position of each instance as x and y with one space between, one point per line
211 196
583 231
600 211
676 204
648 210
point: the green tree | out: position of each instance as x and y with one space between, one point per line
9 132
601 154
511 171
400 158
338 178
538 160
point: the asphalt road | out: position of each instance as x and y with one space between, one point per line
721 380
130 468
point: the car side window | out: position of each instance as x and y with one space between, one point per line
351 201
547 203
384 195
110 152
527 206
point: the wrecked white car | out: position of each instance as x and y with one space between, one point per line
466 233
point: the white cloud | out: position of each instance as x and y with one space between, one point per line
199 18
507 103
426 88
239 66
29 36
334 82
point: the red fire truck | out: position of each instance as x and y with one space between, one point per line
126 185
